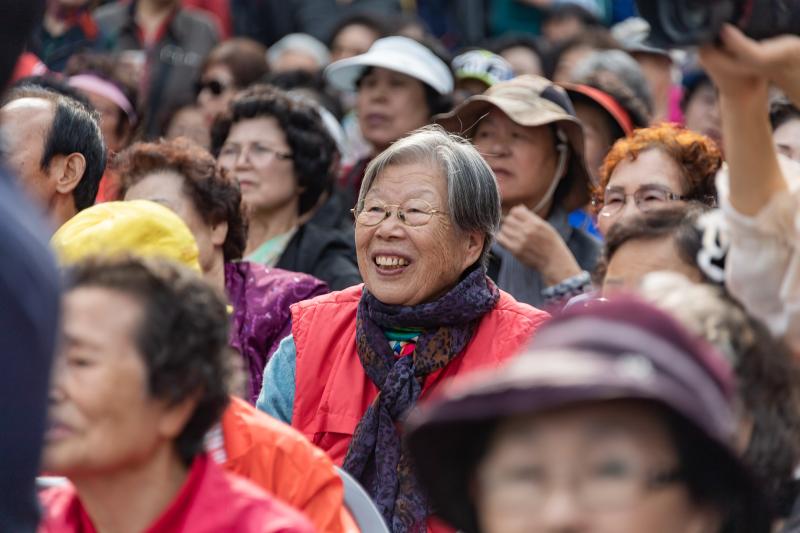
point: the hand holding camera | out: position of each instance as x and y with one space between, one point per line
741 65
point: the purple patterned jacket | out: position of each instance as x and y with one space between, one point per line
260 297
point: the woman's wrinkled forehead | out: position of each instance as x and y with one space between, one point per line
401 182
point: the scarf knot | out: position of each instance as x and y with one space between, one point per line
446 325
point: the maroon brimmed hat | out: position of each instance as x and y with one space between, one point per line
622 350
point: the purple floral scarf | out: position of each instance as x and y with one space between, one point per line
375 456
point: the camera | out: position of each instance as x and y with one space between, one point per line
691 22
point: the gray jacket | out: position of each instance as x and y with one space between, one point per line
526 284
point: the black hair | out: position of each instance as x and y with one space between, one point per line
565 11
514 40
705 469
678 222
782 111
696 81
75 129
596 38
378 24
313 148
54 84
313 82
182 338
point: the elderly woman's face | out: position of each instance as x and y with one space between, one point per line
406 265
102 417
597 468
166 188
652 170
389 106
523 159
258 155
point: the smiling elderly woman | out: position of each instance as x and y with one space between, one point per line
360 358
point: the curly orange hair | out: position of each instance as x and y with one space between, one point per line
696 155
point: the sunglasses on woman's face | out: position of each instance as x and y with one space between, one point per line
216 87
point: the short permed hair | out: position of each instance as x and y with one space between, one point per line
697 156
313 149
182 338
215 197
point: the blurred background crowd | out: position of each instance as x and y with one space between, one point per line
494 266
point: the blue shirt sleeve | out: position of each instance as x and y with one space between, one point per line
278 389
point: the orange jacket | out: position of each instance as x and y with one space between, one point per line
279 459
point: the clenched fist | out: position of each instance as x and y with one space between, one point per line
538 245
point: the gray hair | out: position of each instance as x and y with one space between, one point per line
473 199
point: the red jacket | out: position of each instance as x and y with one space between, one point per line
210 501
333 391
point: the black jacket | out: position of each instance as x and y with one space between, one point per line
326 254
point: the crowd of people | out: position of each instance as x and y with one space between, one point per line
491 266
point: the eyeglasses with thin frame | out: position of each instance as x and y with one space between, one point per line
645 198
608 486
258 152
412 212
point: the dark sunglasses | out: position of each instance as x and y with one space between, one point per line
214 86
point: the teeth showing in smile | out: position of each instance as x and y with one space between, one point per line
390 261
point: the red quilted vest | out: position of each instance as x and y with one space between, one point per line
332 389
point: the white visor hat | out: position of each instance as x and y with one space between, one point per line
399 54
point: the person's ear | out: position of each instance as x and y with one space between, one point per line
219 233
473 247
175 417
67 170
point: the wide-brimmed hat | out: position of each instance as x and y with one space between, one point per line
530 101
622 350
400 54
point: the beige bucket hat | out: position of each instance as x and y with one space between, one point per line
530 101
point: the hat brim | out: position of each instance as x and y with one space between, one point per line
577 92
439 438
345 73
647 49
464 119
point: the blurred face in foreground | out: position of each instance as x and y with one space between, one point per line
639 257
595 468
102 418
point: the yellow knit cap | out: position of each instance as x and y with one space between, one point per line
137 227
